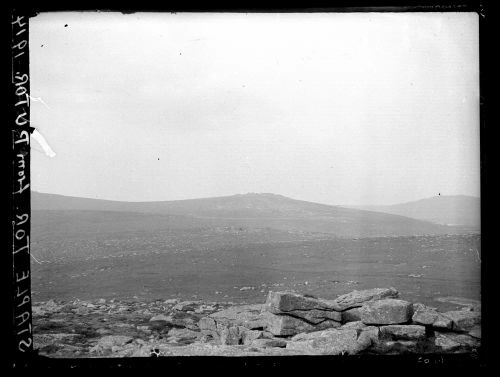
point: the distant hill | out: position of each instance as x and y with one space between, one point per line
460 210
248 210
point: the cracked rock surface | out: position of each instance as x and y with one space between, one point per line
288 323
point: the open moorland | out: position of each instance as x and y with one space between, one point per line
423 267
240 247
99 277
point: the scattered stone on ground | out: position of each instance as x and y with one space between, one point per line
373 321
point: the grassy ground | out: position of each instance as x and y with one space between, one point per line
227 266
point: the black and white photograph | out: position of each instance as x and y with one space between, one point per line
246 184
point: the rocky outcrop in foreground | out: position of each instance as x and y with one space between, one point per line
374 321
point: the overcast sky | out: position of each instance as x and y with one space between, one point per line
333 108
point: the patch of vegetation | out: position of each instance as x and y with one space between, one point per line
51 348
49 327
160 326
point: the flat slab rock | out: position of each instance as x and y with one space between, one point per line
249 316
451 342
403 332
463 320
293 313
314 316
254 317
330 342
286 302
424 315
358 298
284 325
386 312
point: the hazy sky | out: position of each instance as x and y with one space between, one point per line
334 108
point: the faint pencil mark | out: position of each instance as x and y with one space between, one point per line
39 99
36 260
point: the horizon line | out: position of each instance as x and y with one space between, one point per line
256 193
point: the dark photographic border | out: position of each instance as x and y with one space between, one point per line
20 340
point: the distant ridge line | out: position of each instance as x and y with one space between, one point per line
461 210
252 210
263 194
